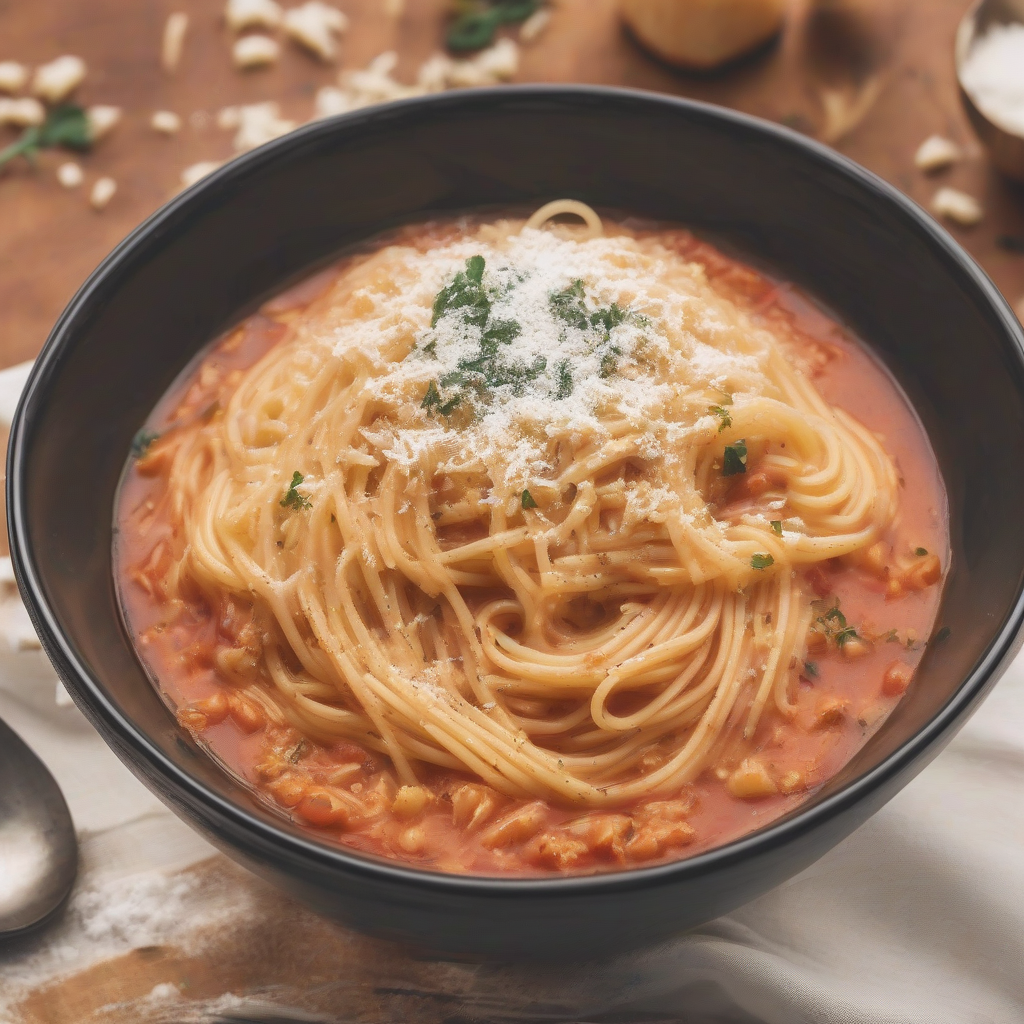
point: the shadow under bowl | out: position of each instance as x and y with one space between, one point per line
213 253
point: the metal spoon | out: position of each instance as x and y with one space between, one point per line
38 849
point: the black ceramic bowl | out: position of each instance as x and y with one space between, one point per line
213 253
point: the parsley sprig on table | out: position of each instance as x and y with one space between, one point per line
476 21
66 125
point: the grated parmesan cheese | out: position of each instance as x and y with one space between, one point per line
528 410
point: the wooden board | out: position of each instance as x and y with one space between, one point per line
872 77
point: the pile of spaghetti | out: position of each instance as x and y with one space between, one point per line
491 506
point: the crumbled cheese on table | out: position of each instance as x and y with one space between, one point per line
173 42
957 206
70 175
240 14
166 122
13 76
255 51
102 120
935 153
55 81
21 113
315 25
102 192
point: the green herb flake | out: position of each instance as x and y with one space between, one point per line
724 419
565 381
844 636
920 552
528 500
735 459
942 636
762 560
292 498
776 525
811 669
142 440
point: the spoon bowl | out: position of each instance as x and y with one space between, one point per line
38 849
1005 148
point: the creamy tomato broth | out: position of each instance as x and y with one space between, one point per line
872 615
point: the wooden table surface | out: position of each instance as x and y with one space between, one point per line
871 77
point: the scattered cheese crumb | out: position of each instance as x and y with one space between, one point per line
331 100
314 25
255 52
13 76
21 113
495 64
173 41
102 192
534 25
166 122
936 152
957 206
56 80
196 172
102 120
241 14
70 174
254 124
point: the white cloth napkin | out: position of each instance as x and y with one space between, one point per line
917 918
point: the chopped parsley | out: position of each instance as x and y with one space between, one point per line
470 301
292 498
565 383
761 560
811 669
142 440
735 459
724 419
432 401
65 125
920 552
776 525
834 626
528 500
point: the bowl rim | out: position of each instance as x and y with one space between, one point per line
89 694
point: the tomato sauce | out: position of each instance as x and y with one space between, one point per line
450 822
